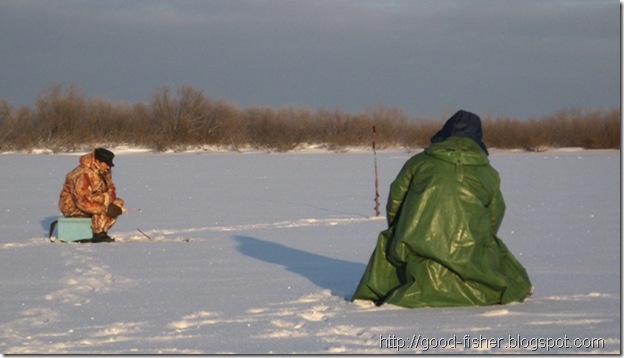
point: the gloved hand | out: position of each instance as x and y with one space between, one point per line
113 211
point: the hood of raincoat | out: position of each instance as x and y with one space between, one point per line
458 150
462 124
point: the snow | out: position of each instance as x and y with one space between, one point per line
259 253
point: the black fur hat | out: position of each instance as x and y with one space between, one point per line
105 155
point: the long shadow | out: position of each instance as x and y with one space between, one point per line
339 276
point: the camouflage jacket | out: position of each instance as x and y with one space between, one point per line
88 189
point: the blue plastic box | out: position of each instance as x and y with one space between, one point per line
72 229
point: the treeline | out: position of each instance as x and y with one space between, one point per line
63 119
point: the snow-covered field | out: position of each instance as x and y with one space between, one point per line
260 253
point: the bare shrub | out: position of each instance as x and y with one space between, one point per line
23 133
63 119
418 132
59 116
223 125
280 131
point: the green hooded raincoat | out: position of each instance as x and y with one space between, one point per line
440 248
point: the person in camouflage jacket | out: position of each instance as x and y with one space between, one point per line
89 191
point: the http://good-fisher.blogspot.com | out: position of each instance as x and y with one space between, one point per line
476 343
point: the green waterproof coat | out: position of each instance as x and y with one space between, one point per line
441 249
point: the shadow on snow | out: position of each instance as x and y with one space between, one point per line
339 276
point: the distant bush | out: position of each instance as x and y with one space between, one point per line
597 129
63 119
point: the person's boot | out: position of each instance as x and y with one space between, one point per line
101 237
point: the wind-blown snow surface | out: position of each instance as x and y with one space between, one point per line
260 253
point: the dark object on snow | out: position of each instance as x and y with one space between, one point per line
52 226
97 237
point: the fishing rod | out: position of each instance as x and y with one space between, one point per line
376 176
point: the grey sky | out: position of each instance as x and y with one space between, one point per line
504 58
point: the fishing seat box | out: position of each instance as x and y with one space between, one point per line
72 229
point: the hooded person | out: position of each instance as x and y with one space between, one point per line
89 191
441 247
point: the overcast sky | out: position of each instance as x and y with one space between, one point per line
429 58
